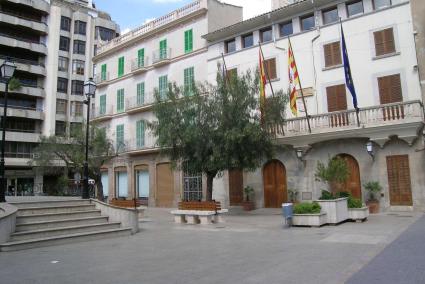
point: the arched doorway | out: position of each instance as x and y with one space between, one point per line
352 185
274 180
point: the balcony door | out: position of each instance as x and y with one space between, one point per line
274 181
337 102
390 93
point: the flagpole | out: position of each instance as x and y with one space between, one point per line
301 88
265 69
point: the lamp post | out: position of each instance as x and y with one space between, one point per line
89 91
7 69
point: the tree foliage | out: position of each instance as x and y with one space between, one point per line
55 152
217 127
335 173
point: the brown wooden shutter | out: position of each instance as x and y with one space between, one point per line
399 182
390 89
270 66
332 54
384 42
337 99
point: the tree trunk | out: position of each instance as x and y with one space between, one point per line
99 193
210 179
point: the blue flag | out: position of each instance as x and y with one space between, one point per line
347 70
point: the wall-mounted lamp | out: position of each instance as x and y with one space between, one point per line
300 156
369 148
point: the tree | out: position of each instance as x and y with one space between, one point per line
335 173
54 151
216 128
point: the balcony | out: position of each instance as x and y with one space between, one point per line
29 66
132 147
32 90
102 80
17 135
377 123
139 65
30 113
39 5
101 114
161 57
23 22
19 42
195 7
138 104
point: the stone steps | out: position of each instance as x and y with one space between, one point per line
55 216
54 209
61 223
47 203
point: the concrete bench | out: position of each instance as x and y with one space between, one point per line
198 216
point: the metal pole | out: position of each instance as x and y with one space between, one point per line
265 70
3 180
85 194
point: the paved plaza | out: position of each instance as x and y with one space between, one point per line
249 248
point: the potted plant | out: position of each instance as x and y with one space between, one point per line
373 188
333 202
293 195
308 214
249 203
357 211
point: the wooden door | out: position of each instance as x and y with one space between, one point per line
235 187
353 184
399 180
337 102
274 180
164 185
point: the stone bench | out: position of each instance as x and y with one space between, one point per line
198 216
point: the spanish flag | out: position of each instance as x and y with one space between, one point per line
262 87
294 80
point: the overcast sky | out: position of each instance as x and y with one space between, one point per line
130 14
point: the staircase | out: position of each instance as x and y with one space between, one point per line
47 223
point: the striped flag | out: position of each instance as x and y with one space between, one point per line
262 87
294 80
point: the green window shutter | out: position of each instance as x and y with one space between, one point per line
189 81
120 66
163 86
163 49
140 133
103 73
188 41
140 93
102 108
120 100
141 58
120 137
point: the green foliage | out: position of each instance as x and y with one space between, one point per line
342 194
373 187
307 208
334 173
249 193
217 128
326 195
354 202
293 194
14 84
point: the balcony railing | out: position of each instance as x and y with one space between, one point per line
23 39
389 114
140 101
177 14
101 78
139 64
23 61
100 112
161 55
133 145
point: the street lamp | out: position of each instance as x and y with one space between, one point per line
369 149
89 91
7 69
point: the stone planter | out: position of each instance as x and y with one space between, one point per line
373 206
248 205
312 220
358 214
336 209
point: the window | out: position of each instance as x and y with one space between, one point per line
379 4
102 104
270 68
188 41
65 23
79 47
120 137
266 34
286 29
384 42
77 87
78 67
120 66
19 149
332 52
247 40
121 183
355 8
390 89
120 100
105 183
163 86
103 72
63 64
60 128
62 85
77 109
336 97
189 81
141 58
230 46
142 182
163 49
140 133
330 15
140 93
307 22
80 28
104 34
64 43
61 106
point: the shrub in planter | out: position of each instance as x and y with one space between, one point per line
334 173
307 208
354 202
308 214
356 209
326 195
335 207
293 195
248 204
373 188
